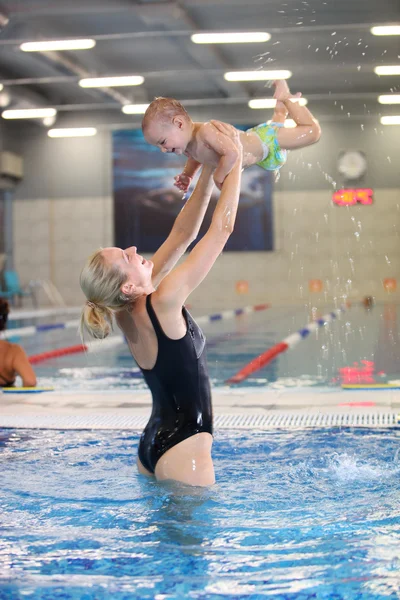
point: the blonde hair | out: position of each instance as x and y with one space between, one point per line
164 109
101 283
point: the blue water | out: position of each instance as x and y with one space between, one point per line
295 515
358 335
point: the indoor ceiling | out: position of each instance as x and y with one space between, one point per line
327 45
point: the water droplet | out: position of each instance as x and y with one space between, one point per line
357 234
358 67
387 259
333 33
362 126
389 159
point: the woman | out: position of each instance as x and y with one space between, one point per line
147 298
13 359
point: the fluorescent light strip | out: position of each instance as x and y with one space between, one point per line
389 99
256 75
91 82
72 132
257 103
388 70
30 113
58 45
392 120
230 38
134 109
386 30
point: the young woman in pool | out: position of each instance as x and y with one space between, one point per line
147 298
13 359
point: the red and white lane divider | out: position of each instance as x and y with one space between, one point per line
289 342
115 340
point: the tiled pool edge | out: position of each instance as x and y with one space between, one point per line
232 408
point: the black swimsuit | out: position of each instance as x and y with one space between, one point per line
181 392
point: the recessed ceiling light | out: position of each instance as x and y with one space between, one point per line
111 81
256 75
392 120
389 99
388 70
72 132
386 30
134 109
241 37
271 102
29 113
58 45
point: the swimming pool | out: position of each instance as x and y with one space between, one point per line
294 514
357 335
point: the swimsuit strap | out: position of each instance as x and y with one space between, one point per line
161 335
274 124
153 318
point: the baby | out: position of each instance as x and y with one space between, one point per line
166 124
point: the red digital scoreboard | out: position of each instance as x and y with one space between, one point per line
350 197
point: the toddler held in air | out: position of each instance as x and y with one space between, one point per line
167 125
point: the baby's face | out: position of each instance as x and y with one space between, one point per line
169 138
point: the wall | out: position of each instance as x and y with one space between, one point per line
63 211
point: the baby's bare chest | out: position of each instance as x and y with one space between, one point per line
252 151
205 155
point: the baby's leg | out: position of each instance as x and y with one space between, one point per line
280 113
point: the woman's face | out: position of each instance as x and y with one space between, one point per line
138 270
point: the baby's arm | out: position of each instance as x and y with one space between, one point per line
223 146
184 179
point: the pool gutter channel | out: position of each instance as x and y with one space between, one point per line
233 409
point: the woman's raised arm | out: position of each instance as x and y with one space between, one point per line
185 228
186 277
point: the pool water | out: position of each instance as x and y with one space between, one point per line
358 335
295 515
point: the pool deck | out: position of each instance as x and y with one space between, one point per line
130 409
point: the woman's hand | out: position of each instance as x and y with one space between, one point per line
226 164
229 131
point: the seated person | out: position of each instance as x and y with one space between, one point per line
13 359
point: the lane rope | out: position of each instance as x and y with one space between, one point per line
115 340
289 342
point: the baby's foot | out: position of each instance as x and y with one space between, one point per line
282 91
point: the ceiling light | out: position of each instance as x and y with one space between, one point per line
134 109
389 99
271 102
230 38
111 81
57 45
72 132
393 120
29 113
391 70
256 75
386 30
